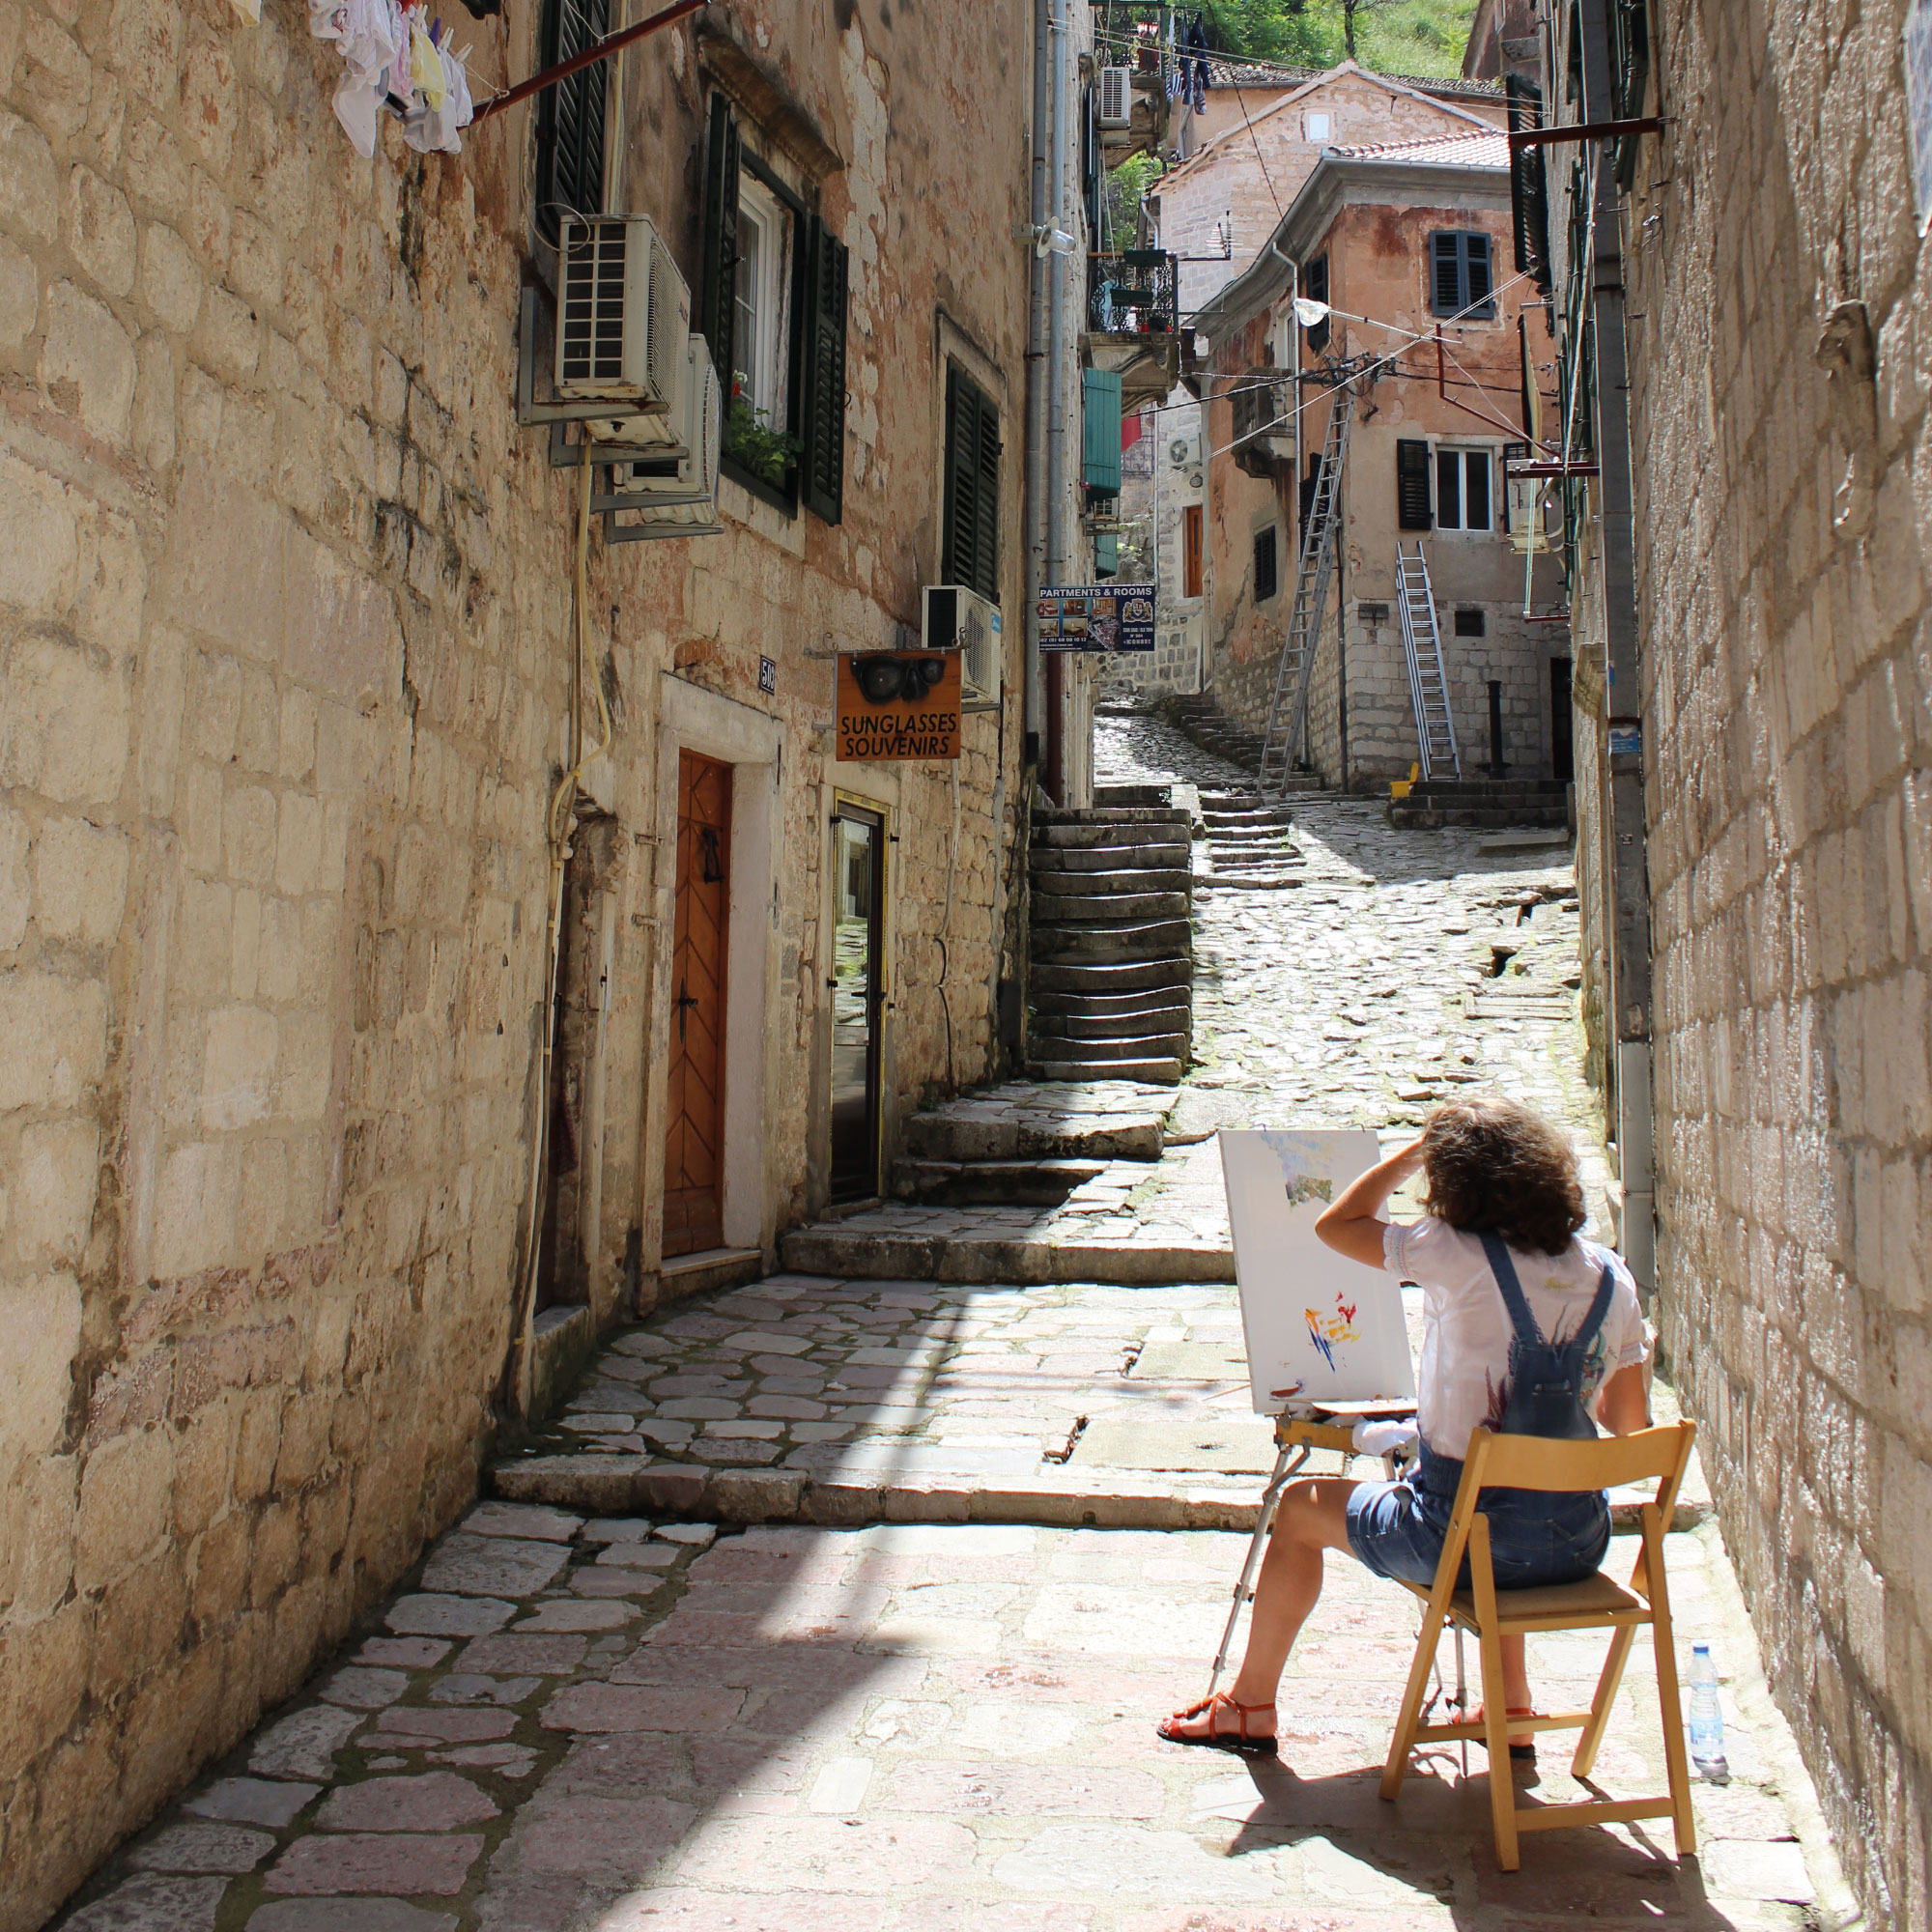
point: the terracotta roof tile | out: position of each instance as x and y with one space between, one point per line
1489 149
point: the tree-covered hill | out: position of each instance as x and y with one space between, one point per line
1420 37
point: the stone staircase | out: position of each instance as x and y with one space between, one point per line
1200 719
1481 802
1249 843
1112 939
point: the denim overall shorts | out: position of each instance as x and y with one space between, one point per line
1536 1537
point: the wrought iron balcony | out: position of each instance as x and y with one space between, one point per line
1132 294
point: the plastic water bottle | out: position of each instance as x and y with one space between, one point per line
1707 1720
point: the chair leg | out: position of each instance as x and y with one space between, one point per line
1410 1720
1663 1641
1496 1699
1607 1685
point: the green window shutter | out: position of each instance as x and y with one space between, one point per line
970 552
717 297
822 463
570 117
1101 396
1107 553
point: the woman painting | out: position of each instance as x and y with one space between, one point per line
1507 1286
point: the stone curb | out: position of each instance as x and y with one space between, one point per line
618 1483
989 1260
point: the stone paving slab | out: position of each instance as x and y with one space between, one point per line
921 1726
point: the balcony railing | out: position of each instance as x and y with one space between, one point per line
1132 294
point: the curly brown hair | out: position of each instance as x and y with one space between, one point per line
1495 1167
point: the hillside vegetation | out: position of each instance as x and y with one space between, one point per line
1418 37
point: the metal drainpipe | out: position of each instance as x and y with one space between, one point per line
1036 395
1056 381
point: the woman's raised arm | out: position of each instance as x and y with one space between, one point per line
1349 1226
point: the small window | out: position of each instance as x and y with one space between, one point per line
1462 282
1315 127
761 323
1268 573
1463 490
1314 286
1190 551
1469 624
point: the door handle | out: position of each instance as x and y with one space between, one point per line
683 1003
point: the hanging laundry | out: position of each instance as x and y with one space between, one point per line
426 67
1197 45
435 129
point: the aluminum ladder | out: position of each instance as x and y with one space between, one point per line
1422 646
1285 741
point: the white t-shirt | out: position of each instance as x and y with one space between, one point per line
1467 1333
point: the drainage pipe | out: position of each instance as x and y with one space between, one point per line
1036 395
1056 366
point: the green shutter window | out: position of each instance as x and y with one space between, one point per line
970 552
1106 554
717 297
570 117
822 462
1101 398
1461 281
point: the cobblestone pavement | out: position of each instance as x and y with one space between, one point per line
604 1724
619 1723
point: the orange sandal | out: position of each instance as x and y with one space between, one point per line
1526 1750
1237 1739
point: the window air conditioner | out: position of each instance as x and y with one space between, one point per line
623 320
1183 452
1117 96
683 489
959 619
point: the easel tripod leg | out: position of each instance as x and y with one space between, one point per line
1285 1471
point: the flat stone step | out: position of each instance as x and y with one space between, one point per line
958 1138
854 1252
1121 911
1133 794
1092 1052
1238 818
1170 856
1106 976
966 1184
1129 1006
1157 1072
1434 818
1113 945
1250 834
1173 830
1076 1027
1053 815
708 1271
1092 885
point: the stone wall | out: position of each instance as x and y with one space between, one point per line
285 620
1787 687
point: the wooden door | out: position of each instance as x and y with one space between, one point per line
695 1134
858 992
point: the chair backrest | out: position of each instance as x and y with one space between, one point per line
1549 1464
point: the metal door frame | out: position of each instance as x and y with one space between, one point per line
856 807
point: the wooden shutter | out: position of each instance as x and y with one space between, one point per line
1100 447
971 547
1268 573
1478 282
717 303
1529 192
822 462
1446 266
1411 485
1476 481
570 117
1190 551
1316 290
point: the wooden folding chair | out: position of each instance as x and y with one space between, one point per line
1538 1462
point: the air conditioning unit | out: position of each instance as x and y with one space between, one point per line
1184 452
681 489
955 618
1117 96
623 320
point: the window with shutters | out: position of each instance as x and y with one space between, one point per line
1411 485
771 305
970 552
1314 286
570 117
1267 564
1462 275
1463 490
1190 551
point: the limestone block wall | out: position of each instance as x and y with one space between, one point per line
1787 687
284 667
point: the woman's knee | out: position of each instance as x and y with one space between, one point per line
1312 1512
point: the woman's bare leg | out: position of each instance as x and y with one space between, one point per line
1313 1516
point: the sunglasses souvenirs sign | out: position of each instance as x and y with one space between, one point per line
896 706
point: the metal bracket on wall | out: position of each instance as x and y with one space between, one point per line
654 532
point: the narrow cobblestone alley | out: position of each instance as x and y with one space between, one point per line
848 1600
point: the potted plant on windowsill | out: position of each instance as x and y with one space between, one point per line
751 440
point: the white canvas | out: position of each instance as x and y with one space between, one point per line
1319 1327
